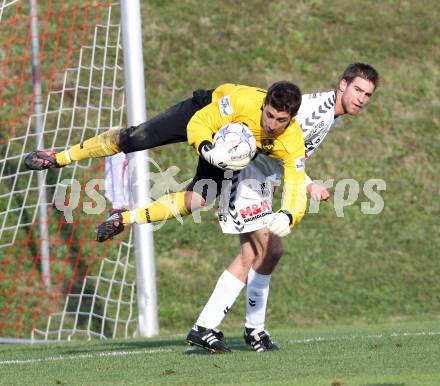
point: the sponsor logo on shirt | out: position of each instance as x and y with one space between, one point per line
225 106
255 211
267 145
299 163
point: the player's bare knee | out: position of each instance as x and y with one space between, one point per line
194 201
274 249
275 252
267 264
272 255
261 247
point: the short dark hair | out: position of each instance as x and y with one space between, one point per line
284 96
362 70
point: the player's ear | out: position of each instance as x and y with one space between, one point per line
342 85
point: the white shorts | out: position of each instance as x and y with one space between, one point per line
245 204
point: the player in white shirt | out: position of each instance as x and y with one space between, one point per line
246 207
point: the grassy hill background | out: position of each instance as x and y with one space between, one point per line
359 268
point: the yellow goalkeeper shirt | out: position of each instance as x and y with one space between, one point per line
238 103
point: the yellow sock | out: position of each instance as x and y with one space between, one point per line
169 206
101 145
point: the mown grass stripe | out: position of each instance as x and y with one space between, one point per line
369 336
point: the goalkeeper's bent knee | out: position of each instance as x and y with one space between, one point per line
169 206
102 145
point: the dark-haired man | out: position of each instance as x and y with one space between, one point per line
268 114
260 248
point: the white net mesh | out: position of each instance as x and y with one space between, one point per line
103 308
89 289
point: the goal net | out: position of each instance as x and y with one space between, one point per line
75 288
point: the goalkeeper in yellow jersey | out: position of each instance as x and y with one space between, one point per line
270 115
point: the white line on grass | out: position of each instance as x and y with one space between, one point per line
82 356
370 336
154 351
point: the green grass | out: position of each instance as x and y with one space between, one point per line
398 354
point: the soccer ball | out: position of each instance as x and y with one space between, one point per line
238 139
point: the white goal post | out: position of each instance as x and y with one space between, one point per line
138 166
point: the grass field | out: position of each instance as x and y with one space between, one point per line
398 354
